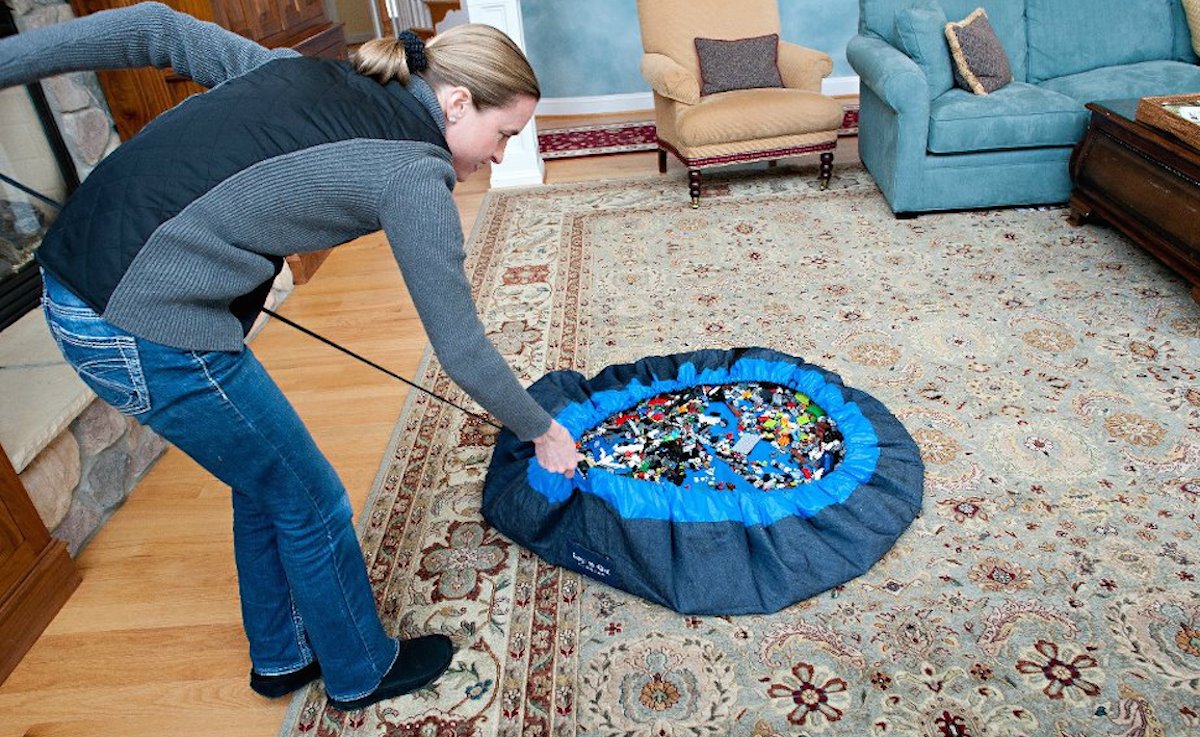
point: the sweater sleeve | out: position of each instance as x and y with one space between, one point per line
145 34
421 222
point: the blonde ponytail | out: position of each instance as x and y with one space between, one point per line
485 61
478 57
382 59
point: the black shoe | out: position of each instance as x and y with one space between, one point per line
283 684
418 664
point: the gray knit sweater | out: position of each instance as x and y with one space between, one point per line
178 287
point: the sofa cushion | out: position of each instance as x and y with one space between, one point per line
1007 17
921 31
980 63
755 114
879 17
1148 78
1071 37
1018 115
738 64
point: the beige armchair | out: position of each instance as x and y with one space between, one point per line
738 126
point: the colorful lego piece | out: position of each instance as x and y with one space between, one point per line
761 434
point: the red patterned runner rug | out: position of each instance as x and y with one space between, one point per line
1046 372
626 137
594 140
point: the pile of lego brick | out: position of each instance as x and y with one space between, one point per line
723 436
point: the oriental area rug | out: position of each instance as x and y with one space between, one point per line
1048 374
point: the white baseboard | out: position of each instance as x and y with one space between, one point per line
840 86
634 101
532 174
525 179
627 102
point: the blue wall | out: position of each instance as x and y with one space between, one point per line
581 48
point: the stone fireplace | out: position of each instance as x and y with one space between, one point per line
78 458
34 156
51 135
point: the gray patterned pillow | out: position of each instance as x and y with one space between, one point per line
980 63
738 65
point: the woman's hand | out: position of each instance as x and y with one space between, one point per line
556 451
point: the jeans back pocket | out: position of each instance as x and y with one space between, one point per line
105 357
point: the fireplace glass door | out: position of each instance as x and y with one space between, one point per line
34 161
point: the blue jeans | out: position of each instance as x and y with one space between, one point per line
301 576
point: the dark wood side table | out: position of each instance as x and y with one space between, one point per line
1142 181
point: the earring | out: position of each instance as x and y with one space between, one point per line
453 118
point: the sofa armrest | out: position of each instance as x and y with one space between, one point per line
803 68
893 122
666 77
890 73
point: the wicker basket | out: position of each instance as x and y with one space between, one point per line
1151 111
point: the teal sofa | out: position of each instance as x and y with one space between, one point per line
933 146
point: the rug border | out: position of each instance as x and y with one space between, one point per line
427 356
673 177
292 714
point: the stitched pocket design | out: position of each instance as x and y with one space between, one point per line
109 364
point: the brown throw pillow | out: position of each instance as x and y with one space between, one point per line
980 63
738 65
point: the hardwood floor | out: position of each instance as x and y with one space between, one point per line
151 643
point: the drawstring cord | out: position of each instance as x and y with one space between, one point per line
376 366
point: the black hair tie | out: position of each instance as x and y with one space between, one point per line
414 51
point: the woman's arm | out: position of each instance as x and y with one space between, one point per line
421 221
145 34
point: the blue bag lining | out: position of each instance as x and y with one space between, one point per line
639 499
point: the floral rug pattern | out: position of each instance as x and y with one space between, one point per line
1047 372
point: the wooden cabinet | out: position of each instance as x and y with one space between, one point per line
37 575
270 22
136 96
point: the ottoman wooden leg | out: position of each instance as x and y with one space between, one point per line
662 161
694 186
826 169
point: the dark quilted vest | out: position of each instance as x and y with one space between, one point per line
283 106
